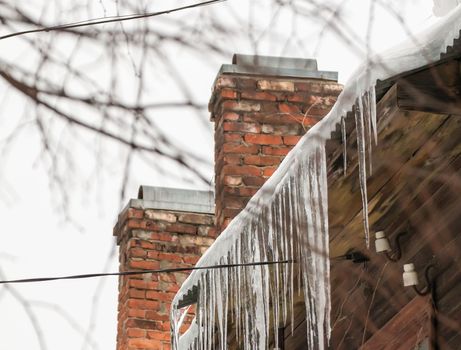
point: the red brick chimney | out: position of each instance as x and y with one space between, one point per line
261 107
163 228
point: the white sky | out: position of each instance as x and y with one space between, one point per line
35 239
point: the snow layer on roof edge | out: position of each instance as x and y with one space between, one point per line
416 52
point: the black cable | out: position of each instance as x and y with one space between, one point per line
129 273
111 19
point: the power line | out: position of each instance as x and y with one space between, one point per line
130 273
110 19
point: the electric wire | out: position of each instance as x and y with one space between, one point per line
110 19
130 273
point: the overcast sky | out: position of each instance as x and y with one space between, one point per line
37 240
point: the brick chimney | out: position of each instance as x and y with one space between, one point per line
261 107
163 228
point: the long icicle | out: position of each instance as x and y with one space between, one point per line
358 112
344 140
372 104
367 130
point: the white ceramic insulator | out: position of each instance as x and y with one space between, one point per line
381 242
410 276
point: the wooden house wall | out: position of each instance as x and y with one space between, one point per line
415 186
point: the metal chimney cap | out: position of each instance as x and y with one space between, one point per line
277 67
309 64
176 199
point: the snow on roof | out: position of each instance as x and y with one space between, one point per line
423 49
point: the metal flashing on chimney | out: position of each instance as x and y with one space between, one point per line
283 67
176 199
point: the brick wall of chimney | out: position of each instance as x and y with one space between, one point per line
155 239
258 120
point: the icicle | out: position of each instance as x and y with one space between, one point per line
261 254
372 104
275 279
324 244
212 306
280 203
317 224
219 296
238 295
225 308
362 166
344 138
368 130
289 254
259 303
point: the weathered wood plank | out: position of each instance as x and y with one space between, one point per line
405 330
